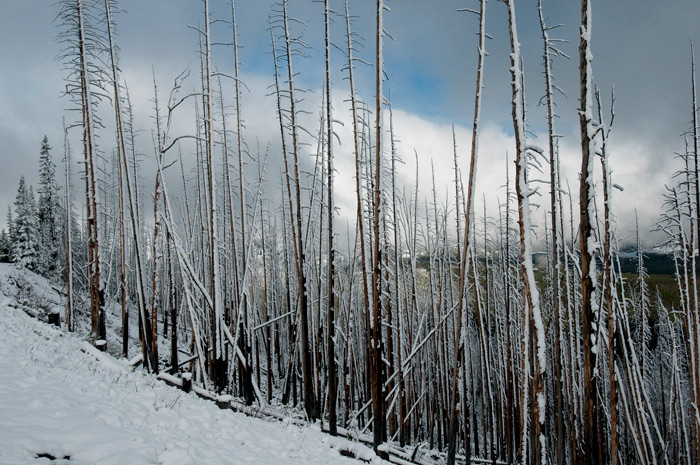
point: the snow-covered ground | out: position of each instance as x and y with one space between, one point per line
63 402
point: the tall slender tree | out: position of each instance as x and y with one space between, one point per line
460 336
551 50
85 85
593 450
331 358
48 212
377 367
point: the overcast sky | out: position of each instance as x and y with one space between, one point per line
641 47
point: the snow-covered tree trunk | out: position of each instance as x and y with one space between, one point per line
593 449
242 269
534 365
330 328
121 160
218 369
156 252
610 284
294 199
135 230
69 232
377 378
96 290
357 146
550 50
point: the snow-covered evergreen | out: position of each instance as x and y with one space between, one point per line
49 213
25 229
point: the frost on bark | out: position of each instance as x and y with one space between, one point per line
293 191
332 367
85 75
534 360
218 361
609 292
377 365
125 185
68 231
592 449
550 50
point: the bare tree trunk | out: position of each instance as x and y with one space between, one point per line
549 49
394 344
121 154
693 323
358 181
464 266
218 361
378 407
533 328
589 285
289 378
174 365
245 369
310 402
332 367
144 321
155 252
97 324
608 288
69 233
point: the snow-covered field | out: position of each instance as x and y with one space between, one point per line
63 402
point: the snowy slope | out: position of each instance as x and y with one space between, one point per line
62 399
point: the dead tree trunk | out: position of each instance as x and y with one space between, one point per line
592 451
377 370
121 154
310 402
549 50
464 265
608 288
95 291
69 234
218 369
332 367
534 356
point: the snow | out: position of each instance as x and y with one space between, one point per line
62 399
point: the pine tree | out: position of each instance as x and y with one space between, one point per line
10 230
48 212
5 247
25 226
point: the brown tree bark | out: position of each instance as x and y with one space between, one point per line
592 449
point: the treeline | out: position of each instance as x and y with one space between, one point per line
476 358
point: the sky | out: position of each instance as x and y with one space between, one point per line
641 48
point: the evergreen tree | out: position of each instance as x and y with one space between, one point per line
11 230
5 247
48 212
25 244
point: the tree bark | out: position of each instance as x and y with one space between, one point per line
592 449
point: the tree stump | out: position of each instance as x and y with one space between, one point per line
187 381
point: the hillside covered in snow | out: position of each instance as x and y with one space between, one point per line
64 402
